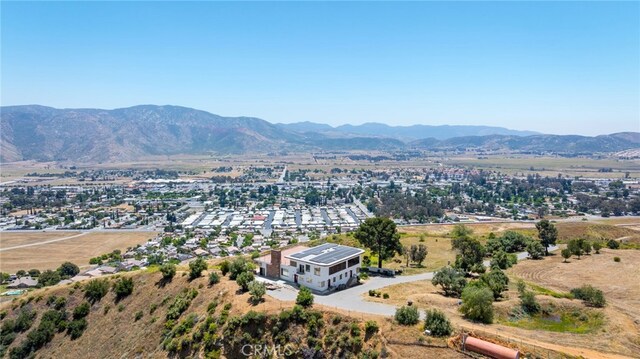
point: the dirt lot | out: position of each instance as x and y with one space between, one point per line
617 337
77 249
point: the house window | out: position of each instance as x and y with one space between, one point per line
307 268
334 279
337 268
340 276
353 261
293 263
308 280
316 271
284 272
322 284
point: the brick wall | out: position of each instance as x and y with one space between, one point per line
273 269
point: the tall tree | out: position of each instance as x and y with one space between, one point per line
381 236
547 233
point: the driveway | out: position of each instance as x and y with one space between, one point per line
352 299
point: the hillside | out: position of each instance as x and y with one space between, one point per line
93 135
216 321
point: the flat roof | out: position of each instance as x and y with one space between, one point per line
326 254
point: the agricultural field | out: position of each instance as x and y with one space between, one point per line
552 166
45 250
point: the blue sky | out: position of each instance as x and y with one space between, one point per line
571 67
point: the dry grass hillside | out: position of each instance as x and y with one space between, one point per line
217 321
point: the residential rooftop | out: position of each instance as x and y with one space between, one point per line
326 254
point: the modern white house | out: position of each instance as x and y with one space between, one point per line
319 268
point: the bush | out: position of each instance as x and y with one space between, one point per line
597 246
68 270
196 267
590 295
407 315
238 266
81 310
385 295
24 321
76 328
451 280
305 297
437 323
138 316
214 278
123 287
168 271
370 328
48 278
95 289
257 291
528 302
535 249
497 281
616 259
243 280
566 254
224 267
500 260
477 304
613 244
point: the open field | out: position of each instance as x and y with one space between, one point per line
611 331
77 249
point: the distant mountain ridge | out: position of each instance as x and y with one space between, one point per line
43 133
406 133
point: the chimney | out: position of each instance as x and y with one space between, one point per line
273 269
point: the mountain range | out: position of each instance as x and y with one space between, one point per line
42 133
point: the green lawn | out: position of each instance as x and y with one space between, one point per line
576 321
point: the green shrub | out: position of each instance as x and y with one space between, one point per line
121 307
181 303
138 316
214 278
590 295
616 259
168 271
95 289
196 267
123 287
257 291
437 323
239 265
497 281
153 308
385 296
24 321
528 302
477 304
597 246
305 297
243 280
451 280
224 267
613 244
81 310
370 328
76 328
407 315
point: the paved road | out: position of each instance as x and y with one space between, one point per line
352 299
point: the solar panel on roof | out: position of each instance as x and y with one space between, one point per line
326 253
